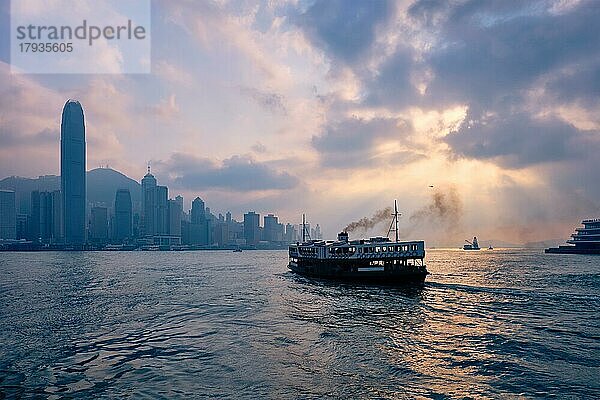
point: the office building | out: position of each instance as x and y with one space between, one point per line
34 217
162 210
72 172
8 215
98 231
122 228
57 217
148 217
175 215
252 228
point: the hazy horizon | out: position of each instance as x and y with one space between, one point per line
336 108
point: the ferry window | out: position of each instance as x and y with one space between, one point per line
377 249
384 248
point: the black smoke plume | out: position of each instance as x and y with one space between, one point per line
365 223
444 211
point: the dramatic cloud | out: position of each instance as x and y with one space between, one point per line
345 28
238 174
518 141
353 142
487 53
10 139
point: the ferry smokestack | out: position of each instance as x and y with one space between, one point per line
343 237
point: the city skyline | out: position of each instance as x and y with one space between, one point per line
325 108
68 218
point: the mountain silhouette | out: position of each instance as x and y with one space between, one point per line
102 185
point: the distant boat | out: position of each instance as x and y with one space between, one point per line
490 248
237 250
472 245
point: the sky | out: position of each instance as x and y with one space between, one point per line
337 107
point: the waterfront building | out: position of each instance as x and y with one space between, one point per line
180 201
221 234
72 172
199 228
252 228
175 215
8 215
270 222
34 217
291 235
162 210
46 217
148 217
22 226
98 231
57 216
198 211
122 228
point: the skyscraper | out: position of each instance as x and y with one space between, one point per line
34 217
251 227
270 227
57 217
198 212
8 215
72 172
199 227
46 216
175 217
179 200
123 215
148 223
162 210
98 232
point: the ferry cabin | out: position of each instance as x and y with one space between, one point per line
374 252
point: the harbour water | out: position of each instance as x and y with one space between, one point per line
501 323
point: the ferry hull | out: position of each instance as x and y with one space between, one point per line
359 272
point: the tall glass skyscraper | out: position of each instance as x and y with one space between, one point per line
72 172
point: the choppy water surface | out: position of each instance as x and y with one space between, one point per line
219 324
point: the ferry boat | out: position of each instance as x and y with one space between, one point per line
378 259
472 245
585 240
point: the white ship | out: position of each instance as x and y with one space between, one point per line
585 240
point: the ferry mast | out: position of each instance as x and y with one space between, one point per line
305 232
394 223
